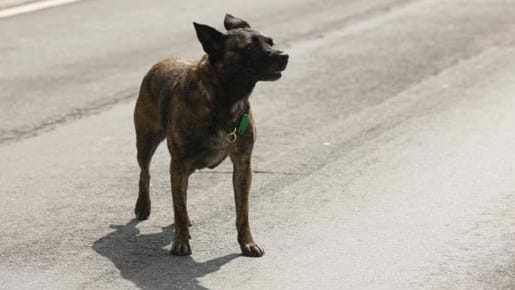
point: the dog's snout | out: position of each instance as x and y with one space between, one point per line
283 59
281 55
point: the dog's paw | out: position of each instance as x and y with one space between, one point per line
180 248
142 209
252 250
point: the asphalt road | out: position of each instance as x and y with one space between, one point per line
385 156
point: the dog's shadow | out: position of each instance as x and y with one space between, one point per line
143 260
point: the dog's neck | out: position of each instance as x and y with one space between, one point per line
227 89
227 96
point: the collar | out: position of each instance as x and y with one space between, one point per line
240 128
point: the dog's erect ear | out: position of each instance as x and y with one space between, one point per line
211 39
231 22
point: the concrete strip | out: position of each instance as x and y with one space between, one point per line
33 7
12 3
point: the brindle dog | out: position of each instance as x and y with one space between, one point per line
199 108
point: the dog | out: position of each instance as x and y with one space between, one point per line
203 111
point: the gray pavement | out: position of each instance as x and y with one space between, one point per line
384 158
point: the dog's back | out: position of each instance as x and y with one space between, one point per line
156 91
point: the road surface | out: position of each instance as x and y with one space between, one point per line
385 156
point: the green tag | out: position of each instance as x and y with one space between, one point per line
244 124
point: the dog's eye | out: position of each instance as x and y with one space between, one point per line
248 46
254 42
269 41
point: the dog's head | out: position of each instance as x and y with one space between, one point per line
242 53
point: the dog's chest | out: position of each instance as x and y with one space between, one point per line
209 150
220 149
203 138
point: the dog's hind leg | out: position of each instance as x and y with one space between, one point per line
149 134
146 143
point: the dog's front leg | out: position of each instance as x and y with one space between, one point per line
242 178
179 177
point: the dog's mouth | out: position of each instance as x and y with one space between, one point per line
272 76
275 72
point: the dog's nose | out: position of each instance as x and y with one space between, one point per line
284 60
280 58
